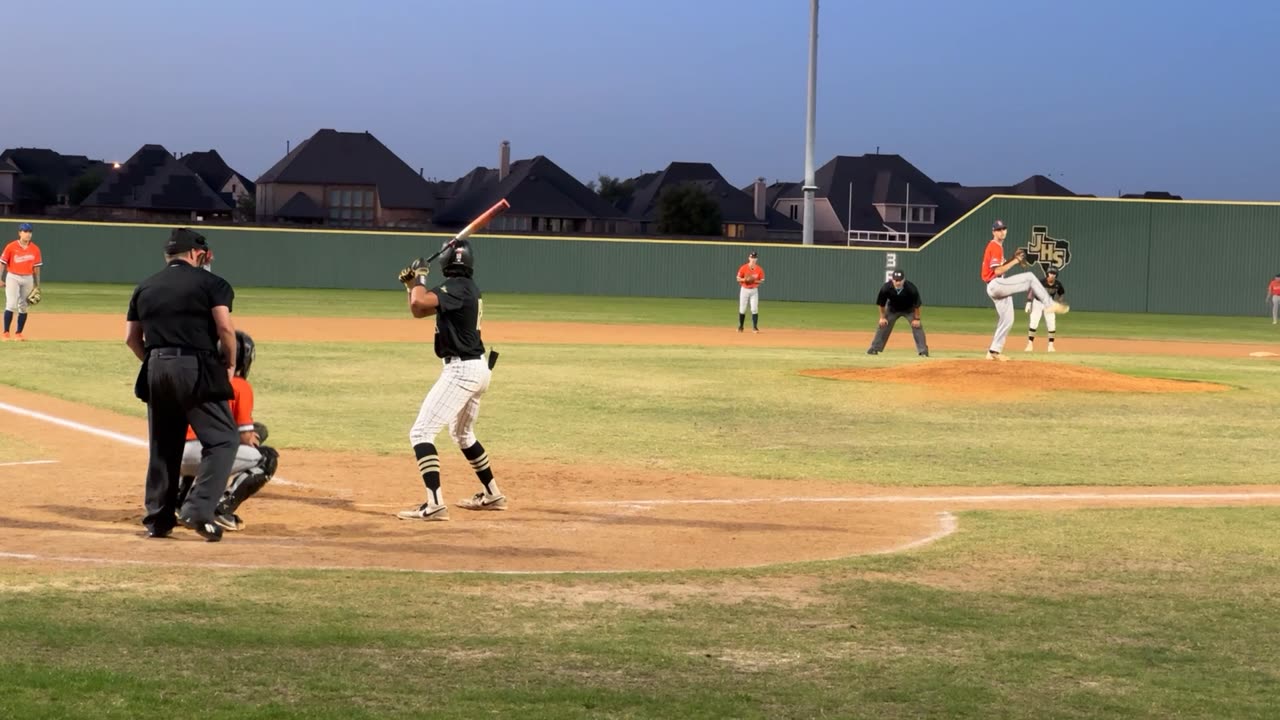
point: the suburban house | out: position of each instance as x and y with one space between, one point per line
870 200
345 179
1037 186
543 197
50 183
1152 195
154 186
8 184
219 176
743 215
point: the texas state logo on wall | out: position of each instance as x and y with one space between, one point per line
1048 252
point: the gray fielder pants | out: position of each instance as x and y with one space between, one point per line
1275 308
883 333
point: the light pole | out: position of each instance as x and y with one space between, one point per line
810 189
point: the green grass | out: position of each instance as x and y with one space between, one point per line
1153 613
705 410
1086 614
677 311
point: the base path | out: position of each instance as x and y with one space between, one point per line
78 499
71 326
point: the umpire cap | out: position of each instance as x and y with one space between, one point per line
184 240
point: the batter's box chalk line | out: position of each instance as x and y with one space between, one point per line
125 439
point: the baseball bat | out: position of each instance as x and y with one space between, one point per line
472 226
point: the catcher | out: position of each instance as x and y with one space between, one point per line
20 277
255 463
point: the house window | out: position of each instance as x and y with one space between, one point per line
351 207
927 214
734 230
902 214
915 214
795 211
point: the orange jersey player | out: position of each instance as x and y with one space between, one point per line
750 275
255 463
1273 295
1001 287
19 274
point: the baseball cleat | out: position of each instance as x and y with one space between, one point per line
481 501
228 521
425 511
19 338
997 356
1051 348
208 530
5 337
1060 308
1029 348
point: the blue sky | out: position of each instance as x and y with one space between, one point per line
1146 96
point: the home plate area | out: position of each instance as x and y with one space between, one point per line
83 504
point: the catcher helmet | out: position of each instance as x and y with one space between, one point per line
458 260
245 353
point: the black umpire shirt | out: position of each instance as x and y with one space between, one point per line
904 300
175 307
458 319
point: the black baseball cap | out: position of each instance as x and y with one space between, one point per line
999 225
899 275
754 254
183 240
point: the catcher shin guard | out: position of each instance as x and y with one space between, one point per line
248 483
479 460
429 466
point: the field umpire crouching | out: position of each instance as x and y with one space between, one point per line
176 318
898 298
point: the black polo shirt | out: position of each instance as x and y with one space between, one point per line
175 307
906 300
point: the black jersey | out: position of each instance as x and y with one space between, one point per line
175 307
458 318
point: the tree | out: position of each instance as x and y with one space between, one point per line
247 207
37 194
83 186
614 190
688 210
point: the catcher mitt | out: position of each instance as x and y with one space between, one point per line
33 297
415 274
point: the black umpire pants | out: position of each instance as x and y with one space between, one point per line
883 333
173 404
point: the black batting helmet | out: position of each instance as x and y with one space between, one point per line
245 353
458 260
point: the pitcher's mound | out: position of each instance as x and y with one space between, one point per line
985 377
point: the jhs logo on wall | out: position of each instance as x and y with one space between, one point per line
1048 252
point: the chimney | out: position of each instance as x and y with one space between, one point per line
761 194
504 160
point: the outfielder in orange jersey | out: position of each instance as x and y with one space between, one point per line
19 276
1273 296
255 463
749 278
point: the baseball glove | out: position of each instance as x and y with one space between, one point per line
415 274
33 297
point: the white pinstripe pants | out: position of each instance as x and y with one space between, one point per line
454 401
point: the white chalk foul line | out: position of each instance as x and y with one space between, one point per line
29 462
1244 495
112 435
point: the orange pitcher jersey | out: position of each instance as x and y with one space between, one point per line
21 261
991 259
751 276
241 407
1275 286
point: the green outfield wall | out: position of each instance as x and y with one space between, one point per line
1177 257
